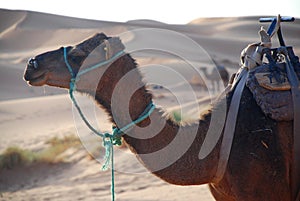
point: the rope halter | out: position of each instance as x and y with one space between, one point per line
109 139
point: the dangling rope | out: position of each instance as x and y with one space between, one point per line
109 139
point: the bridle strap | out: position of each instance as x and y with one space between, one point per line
91 68
68 64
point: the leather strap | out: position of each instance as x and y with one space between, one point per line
229 129
296 103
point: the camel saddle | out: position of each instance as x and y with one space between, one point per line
272 75
270 85
276 88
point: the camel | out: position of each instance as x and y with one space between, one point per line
259 167
218 72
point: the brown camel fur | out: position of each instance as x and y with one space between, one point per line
259 167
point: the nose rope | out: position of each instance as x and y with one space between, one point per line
109 139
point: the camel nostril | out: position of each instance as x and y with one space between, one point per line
32 62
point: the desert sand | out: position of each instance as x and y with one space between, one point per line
30 116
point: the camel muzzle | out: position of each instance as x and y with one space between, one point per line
33 75
32 66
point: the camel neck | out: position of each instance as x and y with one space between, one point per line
124 97
123 114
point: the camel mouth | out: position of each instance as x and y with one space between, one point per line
36 78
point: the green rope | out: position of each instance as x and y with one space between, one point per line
109 139
109 155
100 64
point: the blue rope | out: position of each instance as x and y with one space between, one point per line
109 139
100 64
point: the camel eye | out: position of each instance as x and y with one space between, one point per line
33 63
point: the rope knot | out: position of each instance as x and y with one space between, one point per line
116 136
107 136
117 141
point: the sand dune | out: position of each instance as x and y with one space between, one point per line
29 116
233 34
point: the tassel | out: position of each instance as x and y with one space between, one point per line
108 145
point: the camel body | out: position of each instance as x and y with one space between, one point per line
259 167
218 77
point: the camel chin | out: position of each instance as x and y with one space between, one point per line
40 81
34 78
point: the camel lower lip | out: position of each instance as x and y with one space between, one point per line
38 81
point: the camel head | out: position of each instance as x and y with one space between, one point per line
50 67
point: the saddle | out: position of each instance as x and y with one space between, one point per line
270 85
272 75
268 76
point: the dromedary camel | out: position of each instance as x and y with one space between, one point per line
216 77
259 167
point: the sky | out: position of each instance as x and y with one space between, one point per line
172 12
